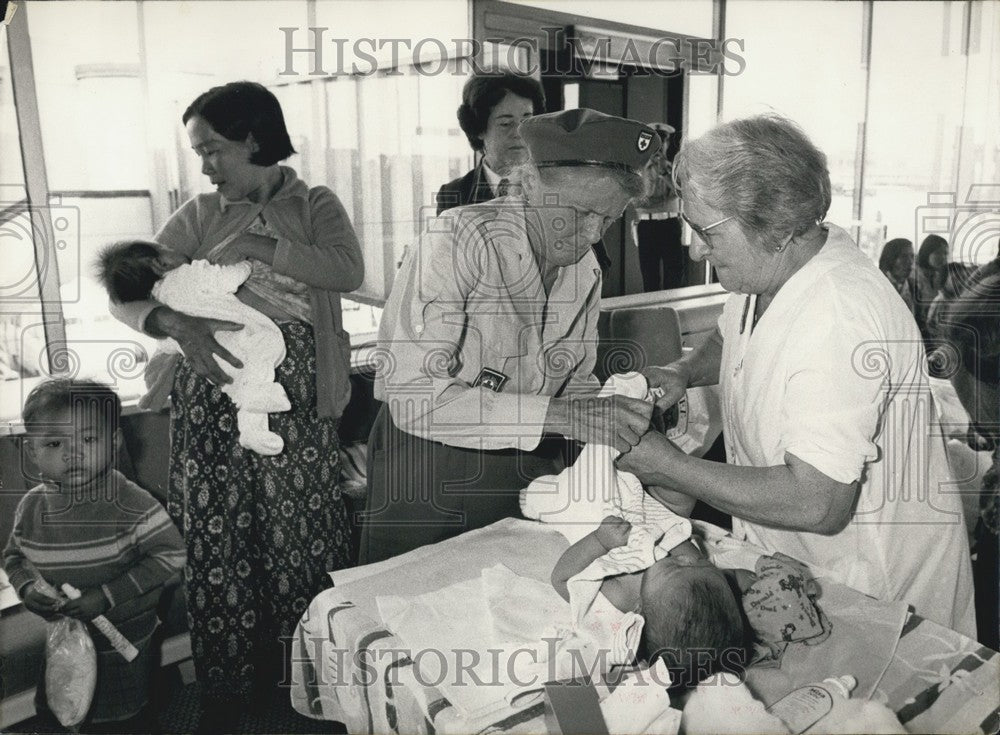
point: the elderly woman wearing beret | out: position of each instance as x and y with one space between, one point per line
488 340
833 457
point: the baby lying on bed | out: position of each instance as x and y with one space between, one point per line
692 617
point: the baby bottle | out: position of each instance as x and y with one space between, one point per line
804 710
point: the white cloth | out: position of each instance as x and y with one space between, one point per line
576 500
640 705
834 373
967 465
723 705
202 289
530 614
490 644
445 630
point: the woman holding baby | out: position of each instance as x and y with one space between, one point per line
833 458
261 531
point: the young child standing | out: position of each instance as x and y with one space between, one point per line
86 524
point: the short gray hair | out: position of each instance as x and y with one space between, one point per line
763 171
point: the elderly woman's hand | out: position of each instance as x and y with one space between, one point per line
668 383
616 421
196 337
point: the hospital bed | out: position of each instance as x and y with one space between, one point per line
348 666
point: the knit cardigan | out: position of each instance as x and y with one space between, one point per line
316 245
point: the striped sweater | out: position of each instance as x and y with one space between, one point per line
122 541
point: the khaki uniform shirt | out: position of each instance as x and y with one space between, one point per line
470 348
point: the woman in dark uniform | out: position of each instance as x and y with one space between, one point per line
493 106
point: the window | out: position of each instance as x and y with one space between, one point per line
22 341
118 162
915 111
967 213
98 175
693 17
816 47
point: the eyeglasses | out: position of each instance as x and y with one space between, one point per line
702 232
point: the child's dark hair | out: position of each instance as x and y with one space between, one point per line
125 270
704 634
60 394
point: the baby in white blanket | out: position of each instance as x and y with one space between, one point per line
638 554
137 270
693 619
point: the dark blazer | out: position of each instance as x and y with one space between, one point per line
473 188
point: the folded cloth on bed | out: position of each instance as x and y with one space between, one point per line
490 644
575 501
444 632
530 614
640 705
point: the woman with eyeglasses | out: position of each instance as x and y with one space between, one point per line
833 457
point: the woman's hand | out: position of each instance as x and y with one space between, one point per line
41 604
613 532
245 246
643 459
196 337
87 606
669 382
616 421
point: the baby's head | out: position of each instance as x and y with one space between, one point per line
694 621
72 430
129 269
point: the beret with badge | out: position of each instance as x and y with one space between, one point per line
584 137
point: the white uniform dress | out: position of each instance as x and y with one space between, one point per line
835 374
202 289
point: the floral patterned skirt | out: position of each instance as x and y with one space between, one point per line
261 532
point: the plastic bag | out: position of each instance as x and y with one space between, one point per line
70 670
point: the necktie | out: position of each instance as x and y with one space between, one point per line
503 188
